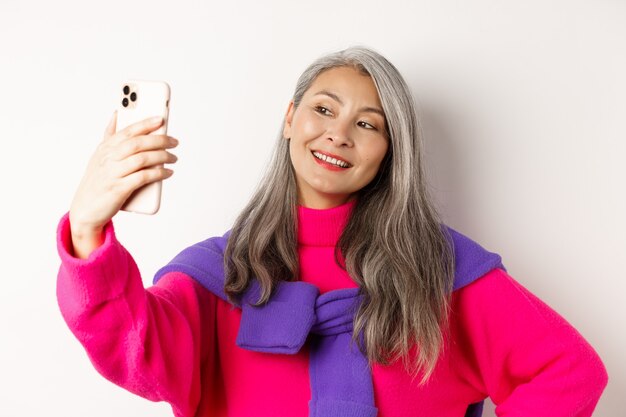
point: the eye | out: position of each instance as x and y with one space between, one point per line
321 109
370 126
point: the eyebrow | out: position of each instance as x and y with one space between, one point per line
363 109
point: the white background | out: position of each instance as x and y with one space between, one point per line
524 109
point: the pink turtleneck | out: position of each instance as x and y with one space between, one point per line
175 341
319 231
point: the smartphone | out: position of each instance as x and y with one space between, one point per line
139 100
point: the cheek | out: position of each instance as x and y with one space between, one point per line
308 126
375 156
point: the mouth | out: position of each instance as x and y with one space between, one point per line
332 160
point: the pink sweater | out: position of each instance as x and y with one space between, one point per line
175 341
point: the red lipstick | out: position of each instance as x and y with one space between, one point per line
334 156
327 165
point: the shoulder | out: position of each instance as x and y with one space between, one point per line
203 261
501 302
471 260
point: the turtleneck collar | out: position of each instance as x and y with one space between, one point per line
323 227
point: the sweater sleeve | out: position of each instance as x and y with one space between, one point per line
147 341
527 358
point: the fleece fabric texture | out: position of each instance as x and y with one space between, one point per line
176 341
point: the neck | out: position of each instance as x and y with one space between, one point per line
323 227
325 202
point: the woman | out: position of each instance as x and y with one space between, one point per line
339 248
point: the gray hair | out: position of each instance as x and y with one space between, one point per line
402 262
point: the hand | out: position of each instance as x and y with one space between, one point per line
123 162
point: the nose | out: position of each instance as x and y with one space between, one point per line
339 133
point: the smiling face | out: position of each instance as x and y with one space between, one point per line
340 117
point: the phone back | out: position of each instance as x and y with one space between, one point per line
139 100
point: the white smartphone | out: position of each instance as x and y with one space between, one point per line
139 100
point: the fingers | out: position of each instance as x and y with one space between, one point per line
142 127
143 143
142 160
146 176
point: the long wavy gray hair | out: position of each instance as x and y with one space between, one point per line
402 261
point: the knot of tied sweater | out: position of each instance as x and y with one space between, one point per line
294 310
341 380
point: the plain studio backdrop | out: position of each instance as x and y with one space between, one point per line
522 106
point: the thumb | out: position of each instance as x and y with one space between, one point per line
110 129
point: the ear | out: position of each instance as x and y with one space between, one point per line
288 119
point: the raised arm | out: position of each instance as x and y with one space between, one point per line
152 342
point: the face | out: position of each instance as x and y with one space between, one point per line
340 117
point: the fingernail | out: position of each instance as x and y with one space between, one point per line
173 141
156 119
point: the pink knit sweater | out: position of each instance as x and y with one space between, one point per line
175 341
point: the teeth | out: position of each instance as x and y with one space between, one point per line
330 160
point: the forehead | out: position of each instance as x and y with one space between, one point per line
347 83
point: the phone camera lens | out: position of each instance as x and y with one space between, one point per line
126 89
133 96
125 102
